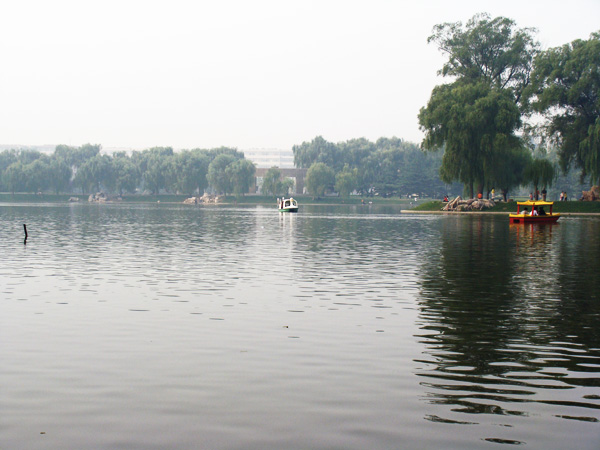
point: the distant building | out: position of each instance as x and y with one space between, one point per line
296 175
265 158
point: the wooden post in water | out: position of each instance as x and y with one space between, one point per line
25 230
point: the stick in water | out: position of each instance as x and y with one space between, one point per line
25 229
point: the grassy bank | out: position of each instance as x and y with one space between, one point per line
560 207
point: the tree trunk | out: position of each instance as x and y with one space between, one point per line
480 189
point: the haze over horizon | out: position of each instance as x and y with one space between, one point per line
262 74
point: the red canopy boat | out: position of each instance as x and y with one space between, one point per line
537 213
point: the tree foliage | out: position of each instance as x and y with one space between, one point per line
346 181
474 123
318 150
320 178
218 177
191 170
475 118
274 184
540 173
389 166
241 175
509 169
85 169
494 50
565 88
126 174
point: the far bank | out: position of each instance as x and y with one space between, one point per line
224 200
567 207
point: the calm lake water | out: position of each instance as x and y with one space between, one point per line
172 327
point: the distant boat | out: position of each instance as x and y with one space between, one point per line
536 214
287 205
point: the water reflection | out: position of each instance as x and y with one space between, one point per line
509 319
344 327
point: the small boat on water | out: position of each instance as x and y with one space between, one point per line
537 213
287 205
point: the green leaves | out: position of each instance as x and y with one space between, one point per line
241 173
565 88
274 184
487 49
346 181
155 169
473 122
319 179
476 117
217 177
318 150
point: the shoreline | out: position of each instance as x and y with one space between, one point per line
425 206
412 211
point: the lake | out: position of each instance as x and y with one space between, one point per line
350 327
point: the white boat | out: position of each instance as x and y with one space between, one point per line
287 205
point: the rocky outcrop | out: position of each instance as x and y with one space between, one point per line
101 197
205 199
473 204
592 195
98 197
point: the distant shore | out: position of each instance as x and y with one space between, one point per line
567 208
408 206
487 212
248 199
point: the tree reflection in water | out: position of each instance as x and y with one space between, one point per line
510 320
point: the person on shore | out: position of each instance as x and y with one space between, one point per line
544 192
531 196
562 195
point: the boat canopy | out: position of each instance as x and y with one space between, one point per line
535 203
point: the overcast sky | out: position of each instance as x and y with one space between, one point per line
255 73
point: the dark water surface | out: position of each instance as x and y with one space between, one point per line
163 326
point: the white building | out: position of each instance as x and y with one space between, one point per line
265 158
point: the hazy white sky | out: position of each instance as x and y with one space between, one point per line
254 73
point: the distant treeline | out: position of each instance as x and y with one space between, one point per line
394 167
387 167
85 170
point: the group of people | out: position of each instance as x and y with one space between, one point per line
534 212
536 196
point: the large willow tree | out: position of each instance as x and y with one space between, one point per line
475 118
